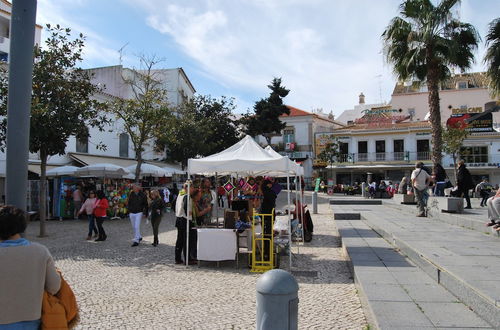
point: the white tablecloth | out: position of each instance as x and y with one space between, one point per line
216 244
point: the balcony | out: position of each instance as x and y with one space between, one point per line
297 154
384 157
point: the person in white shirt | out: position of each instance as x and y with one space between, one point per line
420 180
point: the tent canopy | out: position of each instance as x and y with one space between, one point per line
102 171
245 157
297 169
148 170
62 171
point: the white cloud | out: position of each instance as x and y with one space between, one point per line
326 52
96 48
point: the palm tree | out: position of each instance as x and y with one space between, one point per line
492 57
422 44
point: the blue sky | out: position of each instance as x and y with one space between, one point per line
326 51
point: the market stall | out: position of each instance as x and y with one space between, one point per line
245 158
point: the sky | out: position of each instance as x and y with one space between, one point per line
325 51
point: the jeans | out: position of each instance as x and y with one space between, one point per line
155 222
180 244
135 220
421 196
99 221
92 226
439 188
220 200
485 195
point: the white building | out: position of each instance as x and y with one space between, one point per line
386 141
5 14
297 139
117 142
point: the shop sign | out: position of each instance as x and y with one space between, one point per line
481 123
380 121
456 111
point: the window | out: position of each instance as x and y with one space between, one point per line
82 144
344 151
288 135
124 145
362 151
380 150
461 84
423 150
474 154
399 148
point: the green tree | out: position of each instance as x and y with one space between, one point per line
453 138
331 153
147 110
200 127
265 119
62 104
492 57
422 44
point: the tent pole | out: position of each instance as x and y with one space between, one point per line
188 215
297 211
289 223
302 209
216 203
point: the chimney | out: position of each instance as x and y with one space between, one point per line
361 98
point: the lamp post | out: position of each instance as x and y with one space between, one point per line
22 27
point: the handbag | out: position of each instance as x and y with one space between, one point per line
409 191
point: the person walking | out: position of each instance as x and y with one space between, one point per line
27 269
440 178
77 201
100 213
464 182
137 203
181 213
157 206
420 180
88 208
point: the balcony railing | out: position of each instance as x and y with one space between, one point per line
384 157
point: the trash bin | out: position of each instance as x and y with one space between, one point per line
277 301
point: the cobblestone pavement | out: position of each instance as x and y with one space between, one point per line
120 287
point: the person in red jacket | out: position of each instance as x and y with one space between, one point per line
101 206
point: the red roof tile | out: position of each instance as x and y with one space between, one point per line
294 112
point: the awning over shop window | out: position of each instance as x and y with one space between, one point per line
86 159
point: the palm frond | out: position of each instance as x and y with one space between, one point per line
492 57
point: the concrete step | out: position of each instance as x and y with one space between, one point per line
465 262
395 293
355 201
474 219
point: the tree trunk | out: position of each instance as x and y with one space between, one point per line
435 113
138 157
43 192
455 166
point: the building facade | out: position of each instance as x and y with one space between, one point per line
385 142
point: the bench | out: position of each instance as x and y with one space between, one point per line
447 204
405 199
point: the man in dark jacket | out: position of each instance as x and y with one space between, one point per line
267 207
464 182
137 204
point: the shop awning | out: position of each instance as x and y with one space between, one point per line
35 168
86 159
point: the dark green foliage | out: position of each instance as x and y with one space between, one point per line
265 119
492 57
201 127
62 104
423 44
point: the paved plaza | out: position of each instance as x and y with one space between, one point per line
120 287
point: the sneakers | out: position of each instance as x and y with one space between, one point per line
135 244
421 215
89 238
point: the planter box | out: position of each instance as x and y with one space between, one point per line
404 199
448 204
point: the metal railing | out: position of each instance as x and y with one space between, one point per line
384 157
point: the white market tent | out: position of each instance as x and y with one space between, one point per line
172 171
246 157
102 170
148 170
62 171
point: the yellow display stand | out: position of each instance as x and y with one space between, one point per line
259 265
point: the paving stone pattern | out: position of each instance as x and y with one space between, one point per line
120 287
